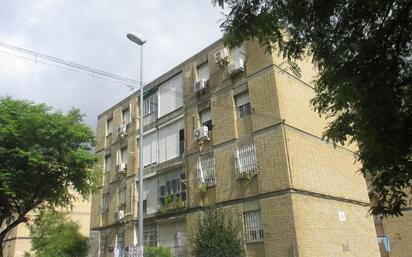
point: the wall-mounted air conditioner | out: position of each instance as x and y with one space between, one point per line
121 167
236 66
221 56
122 129
201 133
200 85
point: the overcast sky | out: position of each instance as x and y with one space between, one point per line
93 33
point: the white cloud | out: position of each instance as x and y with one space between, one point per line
93 33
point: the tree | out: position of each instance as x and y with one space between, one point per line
53 235
157 252
45 158
217 236
362 50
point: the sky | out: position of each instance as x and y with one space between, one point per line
93 33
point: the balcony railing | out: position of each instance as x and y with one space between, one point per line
246 162
150 118
206 171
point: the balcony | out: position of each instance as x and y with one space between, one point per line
150 118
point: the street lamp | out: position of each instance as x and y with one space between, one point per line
140 40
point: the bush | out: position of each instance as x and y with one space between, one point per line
157 252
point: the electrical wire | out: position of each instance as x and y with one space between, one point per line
74 67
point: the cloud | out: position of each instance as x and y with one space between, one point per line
93 33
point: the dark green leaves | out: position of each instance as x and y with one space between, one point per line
363 51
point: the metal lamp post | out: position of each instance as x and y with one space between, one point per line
140 40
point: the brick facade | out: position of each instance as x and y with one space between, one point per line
312 201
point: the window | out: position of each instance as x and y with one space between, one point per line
181 141
206 170
150 107
123 155
171 95
109 126
245 161
206 118
107 163
169 141
243 105
120 239
150 153
203 72
102 244
130 196
105 202
150 236
253 226
126 115
172 185
121 196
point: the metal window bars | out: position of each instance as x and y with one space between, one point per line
246 162
206 171
253 226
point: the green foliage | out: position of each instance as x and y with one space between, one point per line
217 236
53 235
362 50
157 252
45 158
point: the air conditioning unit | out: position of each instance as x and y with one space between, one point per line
119 215
200 85
122 129
221 56
201 133
122 168
236 66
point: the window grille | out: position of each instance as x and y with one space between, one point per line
243 105
253 226
150 236
246 162
244 110
206 171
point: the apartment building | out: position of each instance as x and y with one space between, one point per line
231 128
18 240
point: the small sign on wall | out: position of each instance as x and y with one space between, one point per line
342 216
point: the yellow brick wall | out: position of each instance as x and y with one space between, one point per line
320 232
319 167
224 116
279 227
271 156
399 231
263 100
